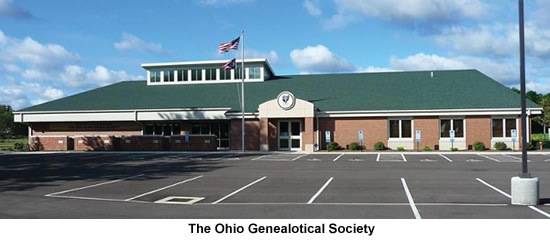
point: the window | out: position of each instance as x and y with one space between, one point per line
225 74
154 76
447 124
502 127
182 75
168 75
238 73
162 129
196 75
218 129
400 128
210 74
254 73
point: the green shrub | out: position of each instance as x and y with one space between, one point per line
379 146
427 149
500 146
400 149
453 149
479 146
21 146
333 146
533 145
354 146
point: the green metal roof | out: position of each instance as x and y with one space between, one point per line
455 89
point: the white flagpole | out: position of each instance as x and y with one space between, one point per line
242 93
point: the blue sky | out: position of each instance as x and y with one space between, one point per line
50 49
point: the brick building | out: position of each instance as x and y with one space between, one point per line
187 106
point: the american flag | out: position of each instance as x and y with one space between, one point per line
230 65
225 47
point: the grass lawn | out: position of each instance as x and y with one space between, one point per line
7 144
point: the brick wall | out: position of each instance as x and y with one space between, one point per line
142 143
196 143
252 134
345 130
429 127
50 143
478 128
308 133
94 143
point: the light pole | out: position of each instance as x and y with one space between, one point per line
525 189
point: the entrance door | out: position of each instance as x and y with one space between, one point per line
290 135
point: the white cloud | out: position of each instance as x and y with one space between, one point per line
319 59
11 68
271 56
497 40
132 42
78 77
505 72
10 9
16 94
411 12
312 7
30 52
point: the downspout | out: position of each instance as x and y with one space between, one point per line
317 131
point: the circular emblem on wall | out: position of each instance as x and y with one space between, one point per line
286 100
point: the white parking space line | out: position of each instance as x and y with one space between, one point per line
240 189
296 158
403 156
95 199
509 196
446 158
514 157
411 200
163 188
320 191
91 186
490 158
228 157
336 158
259 157
378 157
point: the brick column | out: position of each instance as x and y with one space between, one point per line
308 135
264 134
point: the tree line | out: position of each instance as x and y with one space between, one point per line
544 102
8 128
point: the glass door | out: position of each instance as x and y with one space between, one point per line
290 137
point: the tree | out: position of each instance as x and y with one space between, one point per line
7 126
544 119
6 120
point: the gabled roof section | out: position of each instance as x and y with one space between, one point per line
456 89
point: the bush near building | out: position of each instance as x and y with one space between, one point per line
427 149
333 146
379 146
500 146
354 146
479 146
400 149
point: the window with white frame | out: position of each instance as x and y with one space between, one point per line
400 128
182 75
225 74
254 73
196 75
168 75
502 127
445 125
154 76
210 74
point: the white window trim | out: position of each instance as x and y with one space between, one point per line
400 129
452 126
503 118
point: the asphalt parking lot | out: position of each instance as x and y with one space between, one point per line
276 185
